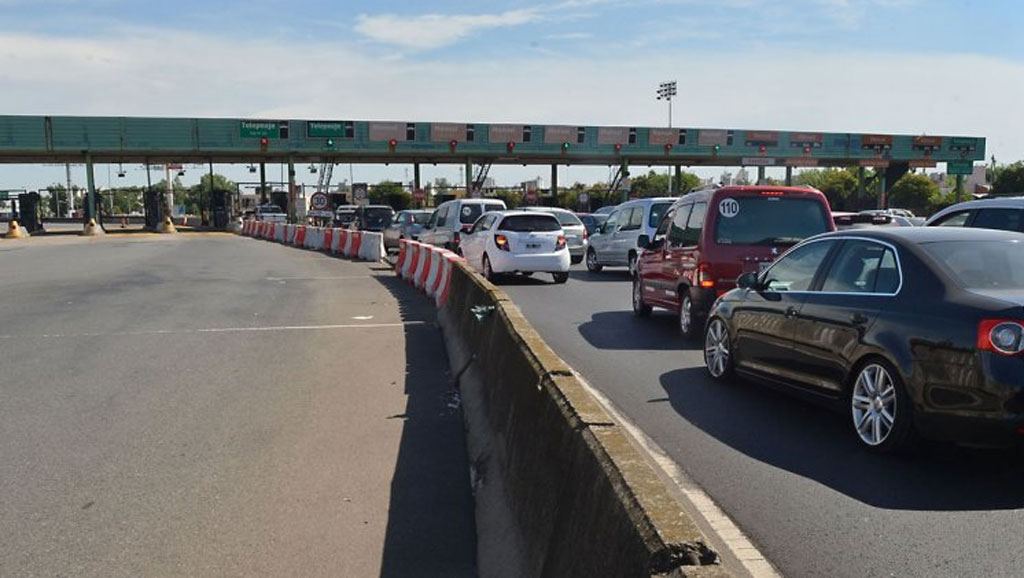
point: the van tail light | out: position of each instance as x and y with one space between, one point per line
502 242
772 193
466 228
560 243
705 279
1003 336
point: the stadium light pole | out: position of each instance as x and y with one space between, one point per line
666 90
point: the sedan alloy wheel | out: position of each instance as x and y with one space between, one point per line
880 408
717 352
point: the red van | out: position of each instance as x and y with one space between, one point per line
710 237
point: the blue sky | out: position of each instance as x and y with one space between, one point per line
936 66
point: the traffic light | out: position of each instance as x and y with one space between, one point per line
807 149
452 144
511 146
668 148
717 149
264 143
330 143
618 148
392 144
762 148
565 147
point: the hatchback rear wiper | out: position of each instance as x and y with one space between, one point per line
777 240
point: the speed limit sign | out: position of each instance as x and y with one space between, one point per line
318 201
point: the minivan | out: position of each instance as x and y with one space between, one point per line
374 218
710 237
615 241
453 218
1003 213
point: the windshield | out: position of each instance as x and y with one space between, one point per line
567 219
527 223
768 220
420 218
657 211
470 212
981 264
378 217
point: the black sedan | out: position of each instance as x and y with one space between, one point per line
910 331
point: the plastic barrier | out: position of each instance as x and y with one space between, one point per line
339 241
371 247
445 282
429 254
328 239
300 236
353 247
411 259
403 254
418 263
434 271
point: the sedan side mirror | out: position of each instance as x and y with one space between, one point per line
747 281
643 241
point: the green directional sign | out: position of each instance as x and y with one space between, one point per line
259 129
322 129
5 196
959 167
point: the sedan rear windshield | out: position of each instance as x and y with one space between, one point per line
378 217
981 264
768 220
420 218
470 212
528 223
567 219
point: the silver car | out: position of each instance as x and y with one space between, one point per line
406 225
575 231
615 244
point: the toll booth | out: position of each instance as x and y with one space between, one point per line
220 206
151 206
28 212
280 198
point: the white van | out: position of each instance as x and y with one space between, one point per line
453 218
614 243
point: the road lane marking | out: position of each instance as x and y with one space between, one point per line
740 547
218 330
334 278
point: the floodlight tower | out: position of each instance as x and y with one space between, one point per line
666 90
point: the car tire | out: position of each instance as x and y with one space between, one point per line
576 260
592 265
631 261
881 410
640 309
488 272
687 321
560 277
718 349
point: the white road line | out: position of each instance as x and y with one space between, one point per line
335 278
217 330
753 561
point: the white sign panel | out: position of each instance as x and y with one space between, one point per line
663 136
505 133
559 134
611 135
387 131
710 138
447 132
758 161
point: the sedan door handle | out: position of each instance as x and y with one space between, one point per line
791 312
858 319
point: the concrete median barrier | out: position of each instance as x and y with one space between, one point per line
561 490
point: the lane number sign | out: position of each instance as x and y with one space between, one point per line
729 208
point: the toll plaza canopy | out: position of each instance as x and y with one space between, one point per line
32 139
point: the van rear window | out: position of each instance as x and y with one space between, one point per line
470 212
768 220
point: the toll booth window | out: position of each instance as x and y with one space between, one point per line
350 129
526 133
728 139
283 130
682 136
581 135
470 130
632 136
410 131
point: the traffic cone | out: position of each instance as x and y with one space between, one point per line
166 227
14 231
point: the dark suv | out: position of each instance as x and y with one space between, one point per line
710 237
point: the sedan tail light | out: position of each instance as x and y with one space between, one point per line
586 235
560 243
502 242
705 278
1003 336
456 239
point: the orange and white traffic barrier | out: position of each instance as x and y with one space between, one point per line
409 270
328 239
422 265
434 271
357 241
445 282
403 253
300 236
339 241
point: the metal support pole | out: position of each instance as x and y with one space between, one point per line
554 182
67 191
469 178
292 194
416 177
959 187
883 192
677 182
760 175
90 183
205 210
861 188
263 183
789 176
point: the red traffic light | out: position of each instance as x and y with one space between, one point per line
452 144
618 148
511 146
264 143
807 149
762 148
668 148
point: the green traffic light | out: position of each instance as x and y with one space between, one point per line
330 142
565 146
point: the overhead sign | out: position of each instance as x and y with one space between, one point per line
663 136
174 166
921 164
505 133
611 135
801 162
325 129
259 128
876 163
758 161
883 141
388 131
559 134
960 167
710 138
319 201
359 192
5 196
447 131
927 141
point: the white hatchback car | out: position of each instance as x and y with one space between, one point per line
517 242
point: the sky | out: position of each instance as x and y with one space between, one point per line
891 66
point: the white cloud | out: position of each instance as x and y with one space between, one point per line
431 31
570 36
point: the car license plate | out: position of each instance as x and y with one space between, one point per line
763 265
533 245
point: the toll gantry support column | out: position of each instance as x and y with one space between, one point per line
554 182
292 195
90 183
789 176
677 182
760 175
469 178
416 177
263 182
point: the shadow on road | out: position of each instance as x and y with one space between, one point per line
606 276
431 527
818 444
623 330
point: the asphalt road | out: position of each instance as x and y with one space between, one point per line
789 473
211 405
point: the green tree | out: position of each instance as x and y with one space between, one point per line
915 192
651 185
1008 179
390 193
688 182
839 185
